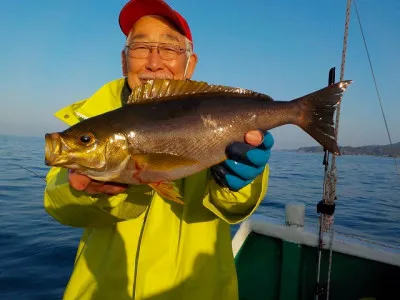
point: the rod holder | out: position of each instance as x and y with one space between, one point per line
295 213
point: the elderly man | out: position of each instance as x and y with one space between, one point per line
136 244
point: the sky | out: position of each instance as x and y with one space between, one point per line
54 53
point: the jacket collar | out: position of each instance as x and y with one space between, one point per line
110 96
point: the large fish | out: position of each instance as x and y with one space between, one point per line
171 129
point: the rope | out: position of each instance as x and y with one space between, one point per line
331 184
330 193
330 180
330 176
376 88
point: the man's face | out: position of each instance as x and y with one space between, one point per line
156 30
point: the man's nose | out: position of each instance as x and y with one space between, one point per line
154 61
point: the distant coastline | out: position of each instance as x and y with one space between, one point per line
372 150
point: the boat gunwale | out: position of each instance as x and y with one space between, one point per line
274 228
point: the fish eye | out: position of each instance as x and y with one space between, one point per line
86 138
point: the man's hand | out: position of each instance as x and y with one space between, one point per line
245 161
83 183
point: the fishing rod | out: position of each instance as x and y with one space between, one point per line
33 172
376 89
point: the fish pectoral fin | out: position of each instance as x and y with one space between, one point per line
168 190
162 161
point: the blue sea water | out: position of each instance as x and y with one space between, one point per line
37 253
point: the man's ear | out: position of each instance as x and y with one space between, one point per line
191 66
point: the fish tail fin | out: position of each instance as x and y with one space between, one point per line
317 111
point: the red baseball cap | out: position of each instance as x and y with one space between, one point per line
135 9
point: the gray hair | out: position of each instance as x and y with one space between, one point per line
189 47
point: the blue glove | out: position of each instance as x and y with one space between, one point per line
245 162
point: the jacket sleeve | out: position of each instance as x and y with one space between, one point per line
78 209
235 207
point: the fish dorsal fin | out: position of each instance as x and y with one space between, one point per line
160 89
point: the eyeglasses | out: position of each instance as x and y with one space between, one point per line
166 51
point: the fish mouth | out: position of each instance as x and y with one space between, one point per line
57 152
53 149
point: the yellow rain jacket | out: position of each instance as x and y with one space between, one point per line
169 251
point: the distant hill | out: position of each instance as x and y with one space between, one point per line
375 150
